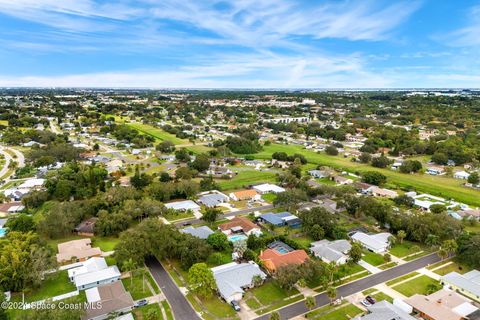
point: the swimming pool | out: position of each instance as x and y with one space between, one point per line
237 237
3 232
282 250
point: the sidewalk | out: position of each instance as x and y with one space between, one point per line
369 267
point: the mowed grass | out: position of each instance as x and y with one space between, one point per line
372 258
271 292
418 285
453 267
54 284
246 178
404 249
345 312
138 284
157 133
435 185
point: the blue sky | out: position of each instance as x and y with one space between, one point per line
240 44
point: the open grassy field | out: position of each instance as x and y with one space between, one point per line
435 185
157 133
245 178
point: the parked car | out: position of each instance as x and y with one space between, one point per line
141 303
366 303
370 299
235 305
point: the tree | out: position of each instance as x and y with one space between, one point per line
474 178
288 275
374 177
310 302
317 232
450 246
440 158
211 214
239 247
437 208
387 257
165 146
410 166
365 157
401 234
274 316
290 198
128 266
432 240
201 279
140 180
201 163
219 241
182 155
331 150
404 200
184 173
331 293
381 162
22 223
467 251
442 253
355 252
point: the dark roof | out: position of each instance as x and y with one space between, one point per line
87 226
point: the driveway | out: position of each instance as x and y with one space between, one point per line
348 289
181 308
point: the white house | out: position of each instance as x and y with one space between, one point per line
331 251
461 175
92 279
268 188
183 205
232 278
378 243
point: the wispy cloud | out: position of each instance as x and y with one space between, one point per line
467 36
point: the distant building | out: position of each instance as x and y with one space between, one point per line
250 194
200 232
240 224
183 205
87 227
213 199
268 188
281 219
280 255
76 250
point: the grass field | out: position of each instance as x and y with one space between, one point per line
403 249
345 312
54 284
379 296
372 258
271 292
137 287
439 186
245 178
420 285
452 267
157 133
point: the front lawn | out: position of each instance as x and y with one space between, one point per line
105 243
212 307
379 296
420 285
246 178
403 249
145 312
345 312
453 267
269 197
372 258
138 285
271 292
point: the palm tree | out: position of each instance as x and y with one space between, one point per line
450 246
442 253
331 268
275 316
310 302
401 235
331 293
432 240
129 266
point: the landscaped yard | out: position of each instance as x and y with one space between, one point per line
167 309
453 267
245 178
345 312
379 296
145 312
404 249
271 292
138 285
372 258
54 284
105 243
269 197
420 285
212 307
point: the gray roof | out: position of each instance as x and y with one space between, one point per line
2 222
384 310
469 281
330 250
201 232
231 278
211 200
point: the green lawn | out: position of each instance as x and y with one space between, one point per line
168 310
157 133
137 287
379 296
372 258
418 285
54 284
105 243
453 267
212 308
269 197
345 312
403 249
246 178
143 312
435 185
226 257
271 292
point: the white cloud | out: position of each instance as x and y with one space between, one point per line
467 36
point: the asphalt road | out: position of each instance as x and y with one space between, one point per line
348 289
230 214
182 310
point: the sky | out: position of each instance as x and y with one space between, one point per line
240 44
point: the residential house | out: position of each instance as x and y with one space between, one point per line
342 180
467 284
268 188
331 251
183 205
384 310
213 199
330 205
378 243
435 170
383 193
441 305
240 224
279 254
319 174
77 250
90 265
95 278
10 208
233 278
281 219
461 175
362 187
470 213
249 194
87 227
200 232
113 298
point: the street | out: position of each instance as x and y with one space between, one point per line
181 308
348 289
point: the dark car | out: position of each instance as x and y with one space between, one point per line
370 299
235 305
185 224
141 303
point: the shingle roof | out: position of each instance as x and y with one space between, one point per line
232 277
384 310
279 260
330 250
201 232
211 200
469 281
242 222
112 296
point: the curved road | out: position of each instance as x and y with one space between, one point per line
8 159
348 289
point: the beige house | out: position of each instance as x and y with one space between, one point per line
76 250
